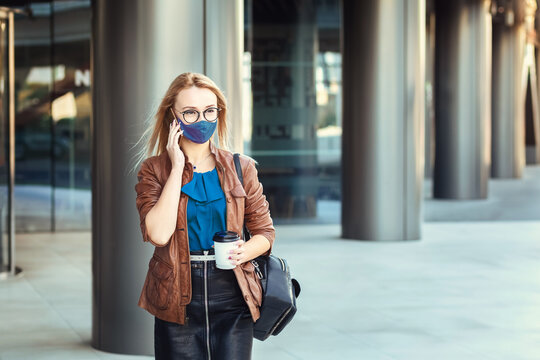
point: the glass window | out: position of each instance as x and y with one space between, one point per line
292 91
71 110
33 130
5 248
53 107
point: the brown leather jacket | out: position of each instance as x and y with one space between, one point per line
167 287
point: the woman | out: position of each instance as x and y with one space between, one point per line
186 193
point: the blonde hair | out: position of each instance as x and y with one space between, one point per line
160 129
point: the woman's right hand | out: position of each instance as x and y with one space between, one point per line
173 147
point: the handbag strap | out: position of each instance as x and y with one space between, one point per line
238 167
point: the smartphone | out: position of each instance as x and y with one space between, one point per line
174 116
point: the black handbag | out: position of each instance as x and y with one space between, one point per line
279 289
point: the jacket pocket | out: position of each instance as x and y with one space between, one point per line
160 281
236 203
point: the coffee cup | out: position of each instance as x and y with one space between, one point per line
224 241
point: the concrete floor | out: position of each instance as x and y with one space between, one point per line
508 200
465 291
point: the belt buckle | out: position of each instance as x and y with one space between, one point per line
204 257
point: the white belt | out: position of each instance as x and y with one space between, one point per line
202 257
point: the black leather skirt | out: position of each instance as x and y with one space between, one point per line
219 324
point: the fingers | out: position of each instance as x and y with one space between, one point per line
237 256
174 132
236 259
177 135
239 242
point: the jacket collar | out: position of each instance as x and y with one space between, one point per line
227 157
214 150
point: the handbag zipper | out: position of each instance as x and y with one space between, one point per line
282 264
280 320
257 269
289 309
285 314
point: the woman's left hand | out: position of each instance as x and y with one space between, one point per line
238 256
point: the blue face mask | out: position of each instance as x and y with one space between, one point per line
198 132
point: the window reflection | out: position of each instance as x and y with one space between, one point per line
53 108
4 149
292 78
33 138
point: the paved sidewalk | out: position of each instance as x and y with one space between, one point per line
465 291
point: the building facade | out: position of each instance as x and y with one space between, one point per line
347 106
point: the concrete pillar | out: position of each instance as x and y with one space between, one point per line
532 115
462 99
510 75
383 119
224 50
430 88
137 51
139 47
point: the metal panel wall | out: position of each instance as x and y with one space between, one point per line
383 119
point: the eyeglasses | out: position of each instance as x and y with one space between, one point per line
191 115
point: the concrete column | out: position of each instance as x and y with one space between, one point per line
383 119
462 99
509 89
224 50
138 48
430 88
532 119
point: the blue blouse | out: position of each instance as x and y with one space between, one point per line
206 209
